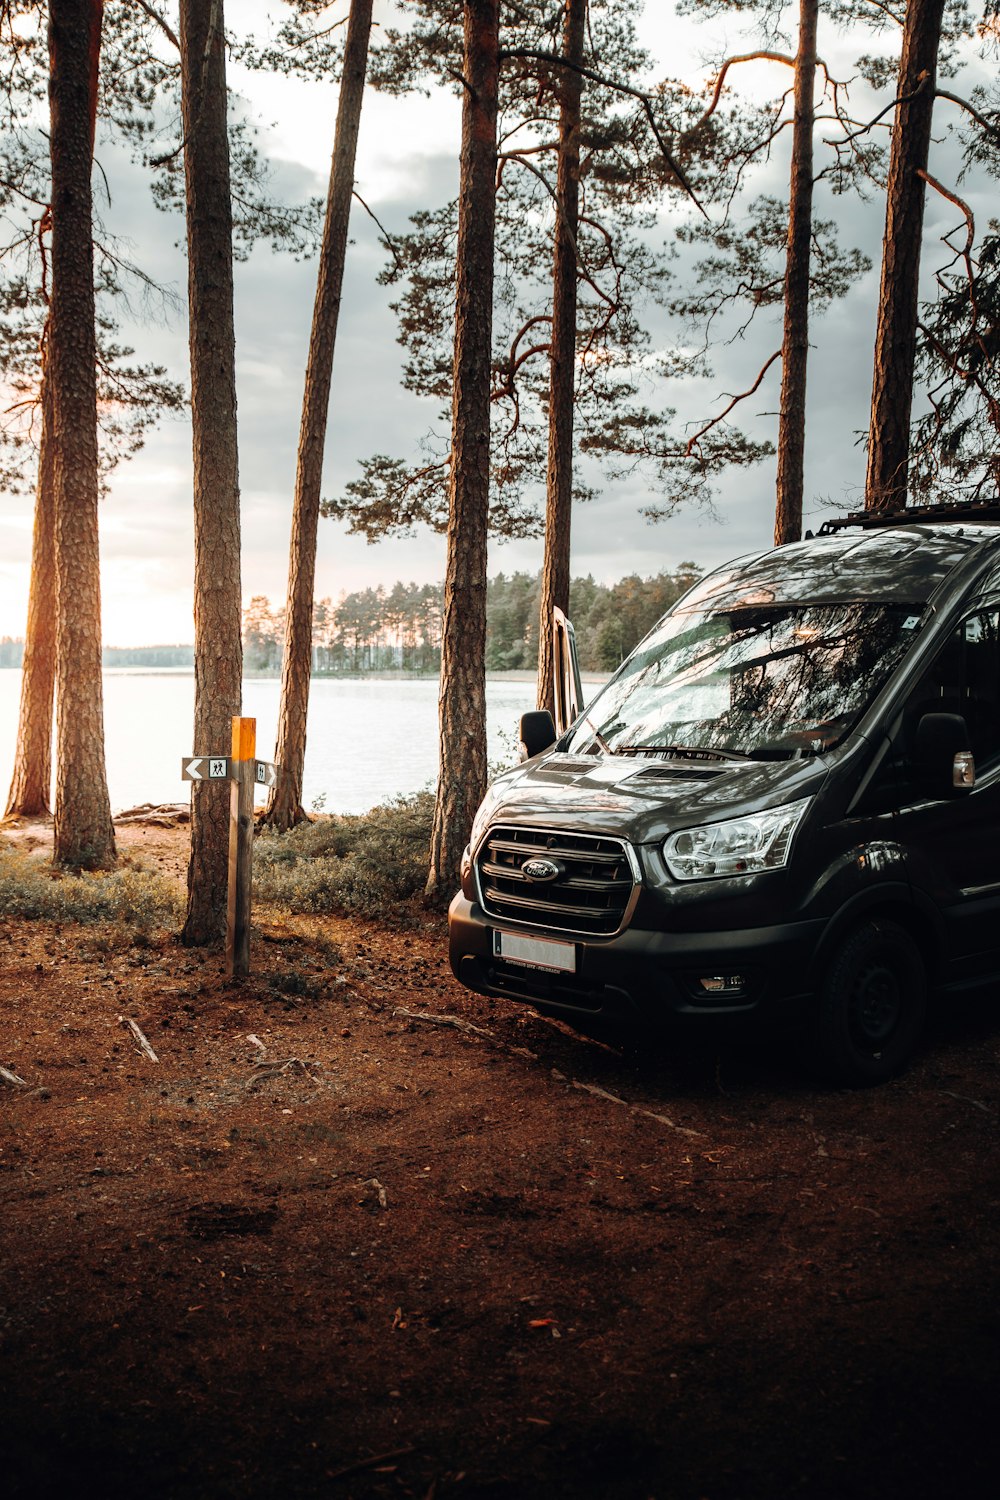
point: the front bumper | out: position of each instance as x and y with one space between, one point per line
646 978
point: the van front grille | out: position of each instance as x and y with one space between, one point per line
590 893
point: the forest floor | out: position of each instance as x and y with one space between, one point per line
358 1233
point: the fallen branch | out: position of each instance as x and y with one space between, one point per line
634 1109
272 1070
380 1193
574 1036
460 1024
138 1037
14 1079
438 1020
371 1463
964 1099
666 1120
588 1088
158 814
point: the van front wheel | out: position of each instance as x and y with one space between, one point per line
872 1005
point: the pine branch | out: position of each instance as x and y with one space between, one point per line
893 104
731 62
988 126
693 442
154 15
557 61
386 239
959 203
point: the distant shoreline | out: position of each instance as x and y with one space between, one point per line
513 675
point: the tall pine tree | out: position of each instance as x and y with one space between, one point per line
84 834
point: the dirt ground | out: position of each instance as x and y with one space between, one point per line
357 1233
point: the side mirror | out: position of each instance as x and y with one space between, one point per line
941 755
537 733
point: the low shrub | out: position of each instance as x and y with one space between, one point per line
371 864
136 900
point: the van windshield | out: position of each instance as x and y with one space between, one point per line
767 681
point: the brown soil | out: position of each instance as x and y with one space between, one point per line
357 1233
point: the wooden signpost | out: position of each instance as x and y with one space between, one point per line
243 772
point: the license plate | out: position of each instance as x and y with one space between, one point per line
535 953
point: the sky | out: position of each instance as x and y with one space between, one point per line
407 158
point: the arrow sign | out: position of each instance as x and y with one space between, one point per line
206 768
266 773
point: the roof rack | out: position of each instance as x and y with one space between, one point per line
978 512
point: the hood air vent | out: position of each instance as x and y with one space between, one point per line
675 772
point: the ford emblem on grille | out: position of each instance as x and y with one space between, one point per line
541 871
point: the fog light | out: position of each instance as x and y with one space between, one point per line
723 984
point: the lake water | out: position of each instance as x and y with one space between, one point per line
368 740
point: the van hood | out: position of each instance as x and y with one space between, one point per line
645 798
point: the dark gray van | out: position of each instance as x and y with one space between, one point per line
784 806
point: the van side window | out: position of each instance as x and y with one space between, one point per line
963 679
982 686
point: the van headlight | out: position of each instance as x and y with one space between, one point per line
740 846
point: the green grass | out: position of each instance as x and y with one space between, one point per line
136 900
370 864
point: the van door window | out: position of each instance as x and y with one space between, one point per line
981 698
963 679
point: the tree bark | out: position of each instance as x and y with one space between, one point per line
795 337
562 352
218 652
896 333
285 805
31 783
83 835
462 697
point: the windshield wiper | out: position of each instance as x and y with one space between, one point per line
684 752
598 736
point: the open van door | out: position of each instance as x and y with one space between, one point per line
568 691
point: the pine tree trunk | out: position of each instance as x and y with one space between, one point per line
562 355
285 806
218 653
462 697
31 782
795 338
896 334
84 836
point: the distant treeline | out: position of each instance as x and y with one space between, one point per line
399 629
148 656
12 655
608 619
377 630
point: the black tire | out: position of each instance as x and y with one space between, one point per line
872 1006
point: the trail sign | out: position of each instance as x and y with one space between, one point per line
243 772
240 847
207 768
265 773
225 768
